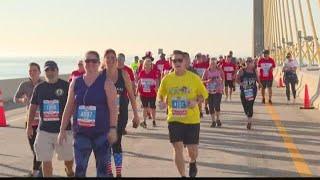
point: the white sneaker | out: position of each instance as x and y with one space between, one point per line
288 102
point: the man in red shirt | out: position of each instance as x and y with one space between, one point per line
121 65
163 65
229 70
266 65
77 73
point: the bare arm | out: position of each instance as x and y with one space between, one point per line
130 91
69 109
31 114
111 93
239 74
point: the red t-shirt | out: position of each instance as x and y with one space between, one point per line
163 66
266 68
154 68
75 74
130 72
201 68
148 83
229 70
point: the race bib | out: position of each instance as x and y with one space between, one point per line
146 85
212 87
266 69
87 116
229 77
179 107
248 94
51 110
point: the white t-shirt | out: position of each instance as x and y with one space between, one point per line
291 64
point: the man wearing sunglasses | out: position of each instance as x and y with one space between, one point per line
181 91
51 97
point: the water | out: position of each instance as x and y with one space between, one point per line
17 67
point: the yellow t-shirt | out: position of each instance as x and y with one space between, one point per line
178 90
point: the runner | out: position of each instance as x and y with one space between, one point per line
23 96
248 78
77 73
130 73
121 80
50 97
290 77
186 56
266 66
163 66
147 88
213 78
91 101
181 91
200 66
135 64
229 70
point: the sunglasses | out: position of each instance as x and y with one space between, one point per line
50 69
91 61
177 60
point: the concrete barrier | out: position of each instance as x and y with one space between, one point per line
10 86
312 79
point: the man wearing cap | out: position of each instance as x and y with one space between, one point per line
50 97
266 64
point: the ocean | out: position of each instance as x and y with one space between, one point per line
17 67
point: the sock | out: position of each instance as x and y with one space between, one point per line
109 165
118 162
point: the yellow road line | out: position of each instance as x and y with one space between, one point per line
297 158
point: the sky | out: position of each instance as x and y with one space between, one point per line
72 27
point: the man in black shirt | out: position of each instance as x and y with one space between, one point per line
51 97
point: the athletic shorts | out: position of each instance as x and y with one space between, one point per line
229 84
266 83
46 144
188 134
148 102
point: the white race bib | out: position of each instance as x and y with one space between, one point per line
179 107
51 109
87 116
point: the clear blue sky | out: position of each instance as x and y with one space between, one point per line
71 27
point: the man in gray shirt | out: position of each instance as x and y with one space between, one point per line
23 96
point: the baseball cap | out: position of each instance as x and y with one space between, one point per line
50 64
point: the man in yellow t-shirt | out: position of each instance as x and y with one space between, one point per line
181 91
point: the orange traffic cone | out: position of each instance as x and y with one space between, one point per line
3 121
281 85
307 103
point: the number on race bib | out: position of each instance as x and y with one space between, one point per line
51 110
249 95
87 116
179 107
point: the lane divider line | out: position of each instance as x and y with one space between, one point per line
297 158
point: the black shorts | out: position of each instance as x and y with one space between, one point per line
214 101
188 134
266 83
229 84
148 102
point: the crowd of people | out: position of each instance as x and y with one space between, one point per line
98 93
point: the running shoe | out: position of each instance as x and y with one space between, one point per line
213 124
219 124
270 101
263 101
143 124
193 170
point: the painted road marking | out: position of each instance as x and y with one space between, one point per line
297 158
